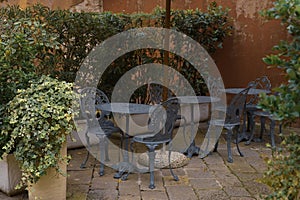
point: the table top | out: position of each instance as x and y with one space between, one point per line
125 108
252 91
196 99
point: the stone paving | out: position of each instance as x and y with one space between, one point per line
209 178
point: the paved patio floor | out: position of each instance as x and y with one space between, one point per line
209 178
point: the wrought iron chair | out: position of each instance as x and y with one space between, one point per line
252 111
234 114
156 97
161 126
156 93
251 105
263 116
97 122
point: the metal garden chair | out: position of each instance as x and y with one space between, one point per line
97 122
234 114
161 126
263 116
251 105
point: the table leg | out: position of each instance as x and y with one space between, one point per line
243 136
126 167
192 149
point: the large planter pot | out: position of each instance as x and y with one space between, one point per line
10 175
200 114
138 123
51 186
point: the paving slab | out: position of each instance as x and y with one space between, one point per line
205 183
211 194
237 191
80 177
194 173
181 192
169 181
77 191
102 194
154 195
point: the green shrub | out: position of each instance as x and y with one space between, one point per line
25 47
78 33
283 174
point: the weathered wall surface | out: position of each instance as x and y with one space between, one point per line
239 62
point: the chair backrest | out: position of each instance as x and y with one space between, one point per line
234 111
259 83
89 98
163 119
156 93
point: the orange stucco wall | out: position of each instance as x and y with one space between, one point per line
240 61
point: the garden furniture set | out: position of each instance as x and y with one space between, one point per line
161 121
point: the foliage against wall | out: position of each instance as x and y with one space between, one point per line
283 174
65 38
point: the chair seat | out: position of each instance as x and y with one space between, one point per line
161 125
251 107
263 114
107 128
150 138
222 123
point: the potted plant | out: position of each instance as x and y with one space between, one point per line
36 129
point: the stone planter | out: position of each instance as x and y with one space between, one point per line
138 123
51 186
10 175
200 114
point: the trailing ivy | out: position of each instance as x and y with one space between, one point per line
40 118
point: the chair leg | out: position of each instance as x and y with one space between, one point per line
216 146
171 170
262 126
280 128
102 154
229 136
132 151
249 118
151 155
83 164
237 144
106 150
252 130
272 129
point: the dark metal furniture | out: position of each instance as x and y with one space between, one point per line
193 101
161 127
252 92
156 97
263 116
125 167
156 93
234 113
251 105
97 122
